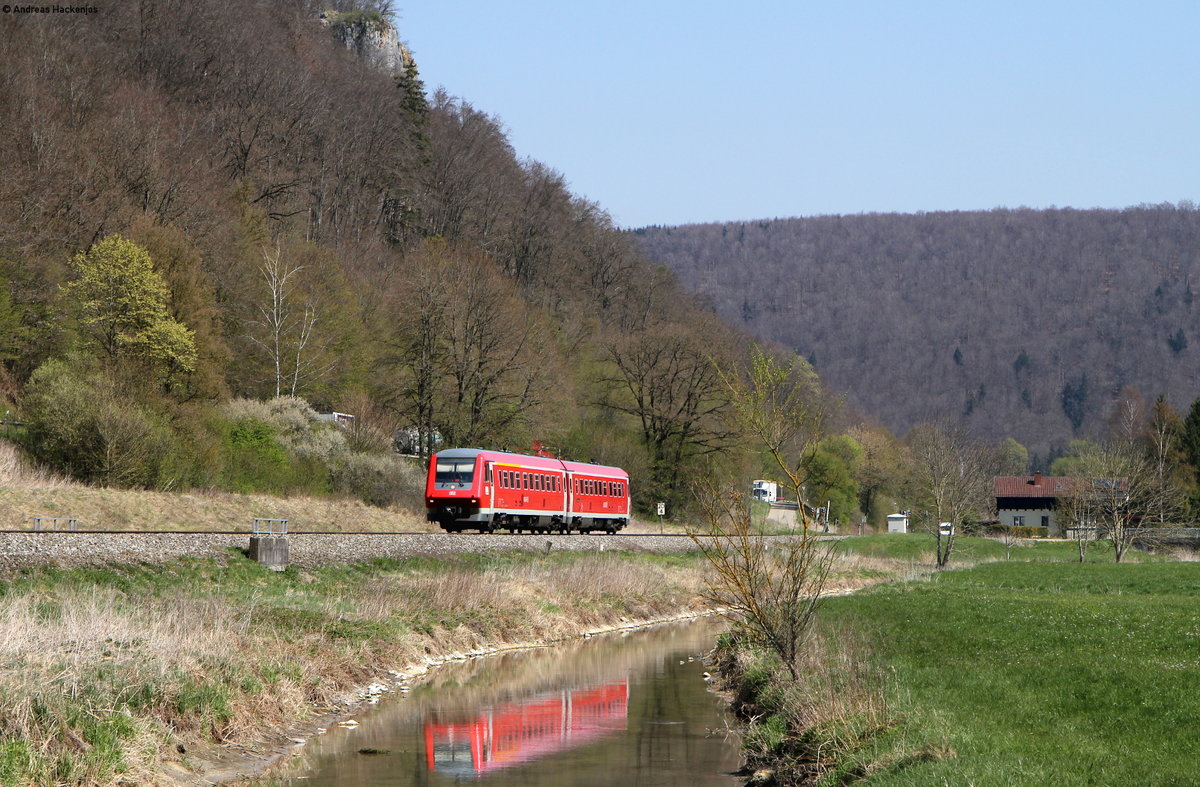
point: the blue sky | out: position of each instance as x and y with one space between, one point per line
671 112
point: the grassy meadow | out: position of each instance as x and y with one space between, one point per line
1035 670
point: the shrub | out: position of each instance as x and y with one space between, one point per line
295 425
84 424
378 479
1019 531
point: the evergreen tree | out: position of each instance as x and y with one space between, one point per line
1189 439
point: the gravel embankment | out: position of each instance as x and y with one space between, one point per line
21 549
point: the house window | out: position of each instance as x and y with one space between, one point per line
1018 521
1045 521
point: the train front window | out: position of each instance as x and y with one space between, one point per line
454 473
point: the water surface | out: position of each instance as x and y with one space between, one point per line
629 709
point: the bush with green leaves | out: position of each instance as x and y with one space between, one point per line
379 479
83 423
280 445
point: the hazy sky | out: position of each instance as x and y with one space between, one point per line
672 112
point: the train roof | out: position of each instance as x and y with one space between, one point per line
545 462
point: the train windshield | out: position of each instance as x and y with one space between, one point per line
454 473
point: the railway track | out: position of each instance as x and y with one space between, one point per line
70 548
4 531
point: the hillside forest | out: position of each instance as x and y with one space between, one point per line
1030 324
219 220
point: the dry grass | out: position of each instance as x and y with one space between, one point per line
104 671
28 491
18 473
124 509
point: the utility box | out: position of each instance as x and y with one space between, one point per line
897 523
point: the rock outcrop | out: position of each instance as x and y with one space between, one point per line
371 36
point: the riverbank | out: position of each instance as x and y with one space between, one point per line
975 675
153 673
138 674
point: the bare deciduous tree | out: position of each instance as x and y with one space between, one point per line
770 589
665 379
952 475
1121 491
285 327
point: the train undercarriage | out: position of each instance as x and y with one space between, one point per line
456 519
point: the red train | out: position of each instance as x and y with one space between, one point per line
519 732
486 490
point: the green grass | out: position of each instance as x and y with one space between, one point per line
1039 673
970 549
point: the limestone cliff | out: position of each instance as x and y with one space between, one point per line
371 36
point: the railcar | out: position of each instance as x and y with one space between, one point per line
516 733
469 488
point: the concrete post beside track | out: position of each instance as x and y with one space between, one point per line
270 551
269 543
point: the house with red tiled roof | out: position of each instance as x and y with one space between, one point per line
1031 500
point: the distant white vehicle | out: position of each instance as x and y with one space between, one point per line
766 491
946 529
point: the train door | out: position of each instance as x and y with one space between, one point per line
485 497
568 495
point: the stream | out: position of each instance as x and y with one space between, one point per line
618 709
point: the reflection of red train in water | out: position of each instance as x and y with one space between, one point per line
519 732
484 490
